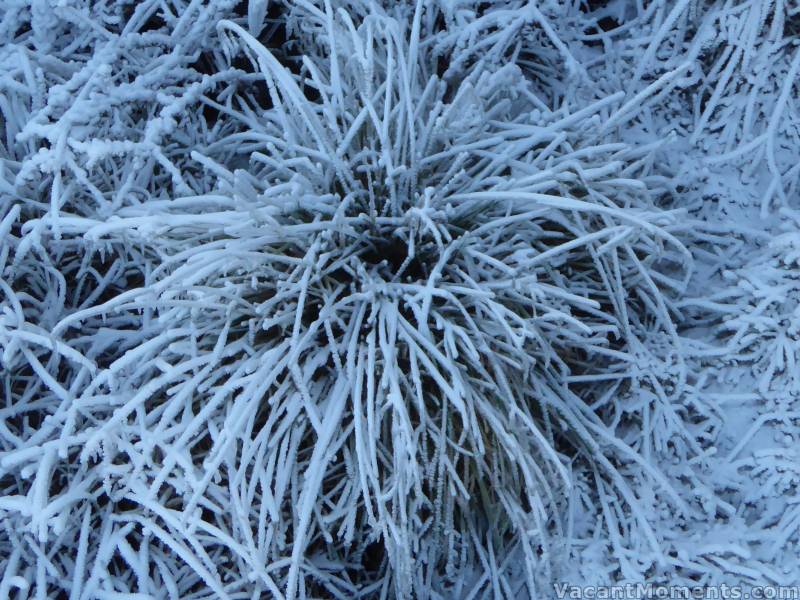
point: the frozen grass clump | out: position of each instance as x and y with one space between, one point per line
327 300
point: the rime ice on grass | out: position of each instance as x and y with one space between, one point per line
359 299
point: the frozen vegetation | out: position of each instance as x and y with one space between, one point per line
395 299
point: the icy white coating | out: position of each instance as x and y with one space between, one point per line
394 299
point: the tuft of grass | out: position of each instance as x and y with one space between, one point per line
343 322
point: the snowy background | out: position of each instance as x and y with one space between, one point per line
351 298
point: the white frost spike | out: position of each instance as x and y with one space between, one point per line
256 13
